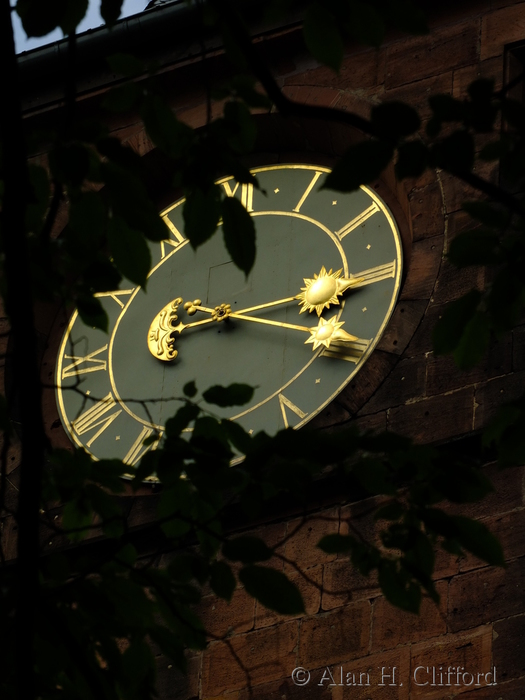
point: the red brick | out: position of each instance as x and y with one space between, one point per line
172 684
335 637
375 422
454 282
403 324
441 51
513 690
423 268
492 68
472 652
444 375
486 595
427 209
436 418
359 70
304 534
265 655
405 382
416 93
502 27
342 583
509 647
310 590
392 626
494 393
456 191
221 618
510 531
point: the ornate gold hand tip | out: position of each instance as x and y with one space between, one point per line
160 340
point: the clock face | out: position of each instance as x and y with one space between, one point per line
323 287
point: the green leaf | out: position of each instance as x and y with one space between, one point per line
129 199
70 164
237 435
232 395
167 132
110 11
202 211
335 543
39 198
244 131
322 36
129 250
449 329
478 539
391 511
393 120
247 549
273 589
222 580
92 312
239 233
4 418
412 159
41 18
88 218
359 165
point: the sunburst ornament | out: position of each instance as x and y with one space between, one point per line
327 332
324 290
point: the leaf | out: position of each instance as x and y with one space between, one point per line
394 119
70 164
412 159
88 218
129 199
335 543
247 549
244 131
478 539
449 329
202 211
41 18
222 580
391 511
237 435
110 11
232 395
273 589
129 250
359 165
239 233
322 36
474 341
92 312
167 132
38 198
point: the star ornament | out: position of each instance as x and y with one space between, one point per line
320 292
327 332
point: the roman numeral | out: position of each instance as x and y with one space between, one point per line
285 403
138 449
92 363
246 193
96 416
363 216
308 190
174 242
376 274
351 351
116 295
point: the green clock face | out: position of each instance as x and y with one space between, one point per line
324 285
